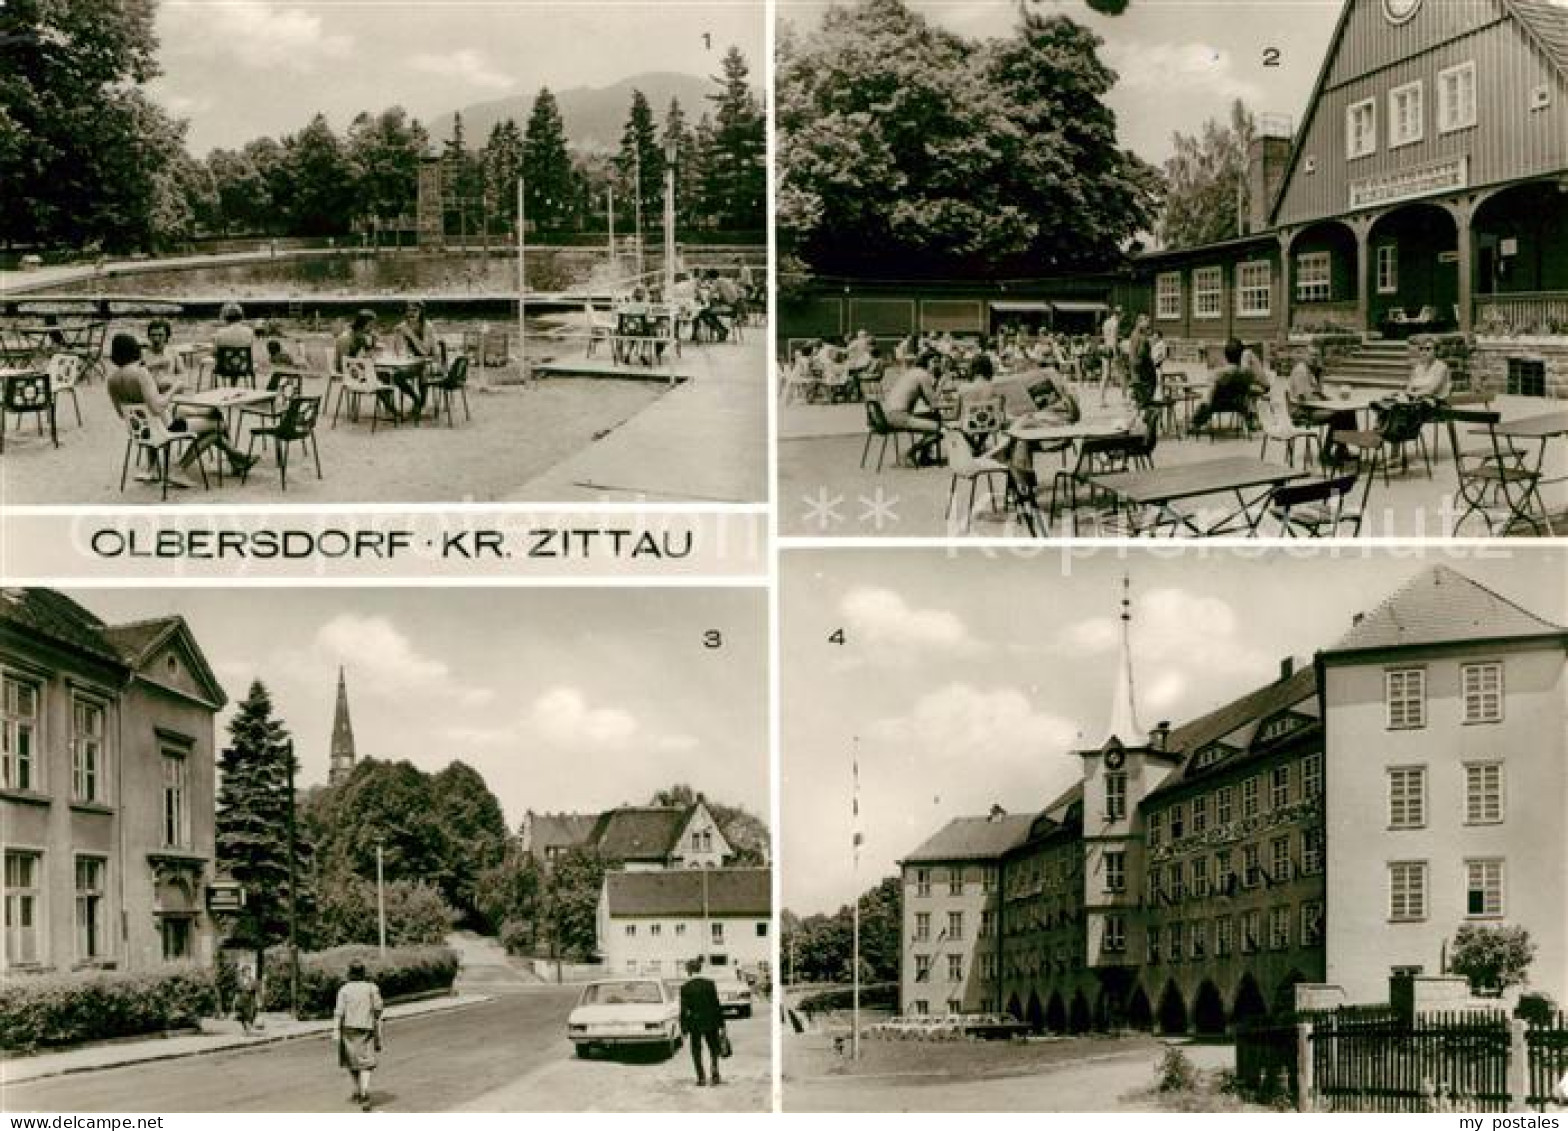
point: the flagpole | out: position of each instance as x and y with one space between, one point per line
854 1043
522 287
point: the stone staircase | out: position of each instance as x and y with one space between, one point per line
1376 364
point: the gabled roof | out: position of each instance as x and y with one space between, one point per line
560 830
639 832
59 619
1546 21
138 641
974 838
690 892
1442 606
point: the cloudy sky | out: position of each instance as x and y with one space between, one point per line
969 677
563 699
240 69
1180 62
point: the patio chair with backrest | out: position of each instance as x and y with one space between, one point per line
1236 402
1310 507
233 364
1365 449
972 470
1277 426
1404 423
1493 481
64 371
1146 436
29 394
296 425
86 342
145 433
360 380
1097 455
453 384
284 385
877 427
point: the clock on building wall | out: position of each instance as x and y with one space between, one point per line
1398 11
1114 759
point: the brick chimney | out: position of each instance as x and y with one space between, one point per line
1266 158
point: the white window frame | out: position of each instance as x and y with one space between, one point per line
1200 814
15 753
1250 290
174 797
1250 793
1312 923
32 896
1167 296
1397 139
922 881
1386 258
88 763
955 968
1314 276
1406 797
1114 940
1368 144
91 907
1485 800
922 927
955 926
1311 776
1224 936
1407 891
1115 871
1279 927
1488 877
1115 795
1279 787
1404 698
1208 293
1481 691
1279 859
1447 121
1224 805
1311 850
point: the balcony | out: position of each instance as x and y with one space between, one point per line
1526 314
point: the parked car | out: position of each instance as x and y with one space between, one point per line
622 1012
735 992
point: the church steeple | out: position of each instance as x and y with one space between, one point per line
1124 710
342 737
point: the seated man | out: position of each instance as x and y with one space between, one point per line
1233 388
915 386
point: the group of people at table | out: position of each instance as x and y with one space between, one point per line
153 376
932 380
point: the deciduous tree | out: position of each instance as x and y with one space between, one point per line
1206 182
1492 957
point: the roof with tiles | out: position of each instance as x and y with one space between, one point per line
639 832
57 618
691 892
1441 606
974 838
1547 21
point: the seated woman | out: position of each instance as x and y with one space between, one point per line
234 337
131 384
1430 384
417 337
359 340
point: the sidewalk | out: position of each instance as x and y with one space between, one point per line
216 1036
703 441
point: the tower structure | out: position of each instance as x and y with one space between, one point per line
342 737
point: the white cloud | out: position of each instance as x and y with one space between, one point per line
564 717
1198 70
257 34
465 65
960 723
887 628
674 743
386 664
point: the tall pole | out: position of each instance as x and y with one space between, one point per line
609 207
288 751
637 213
381 900
854 1043
522 285
671 155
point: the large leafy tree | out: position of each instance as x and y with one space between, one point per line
547 166
1206 182
385 151
416 914
322 181
83 151
734 166
747 833
252 823
640 163
571 901
905 148
820 948
475 828
501 161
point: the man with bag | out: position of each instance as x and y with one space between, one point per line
702 1021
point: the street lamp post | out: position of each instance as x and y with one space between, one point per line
637 213
671 155
381 899
288 751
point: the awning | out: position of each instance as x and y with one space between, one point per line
1019 306
1079 306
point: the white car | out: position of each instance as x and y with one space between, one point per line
620 1012
734 991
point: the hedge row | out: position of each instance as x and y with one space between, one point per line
64 1009
404 970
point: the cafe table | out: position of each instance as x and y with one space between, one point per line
1246 480
1542 428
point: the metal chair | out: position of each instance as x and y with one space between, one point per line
1404 423
65 369
455 383
29 394
1277 426
1493 481
284 385
233 364
877 427
296 425
360 380
1310 507
146 433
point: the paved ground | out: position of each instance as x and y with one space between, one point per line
1075 1075
507 1054
822 490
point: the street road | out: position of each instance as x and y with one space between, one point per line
431 1063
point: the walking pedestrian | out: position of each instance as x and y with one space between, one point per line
357 1021
245 996
702 1021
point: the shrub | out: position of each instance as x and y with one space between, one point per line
64 1009
517 936
409 970
1176 1072
1535 1008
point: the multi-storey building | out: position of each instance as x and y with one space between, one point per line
633 837
1184 883
1447 782
106 788
655 922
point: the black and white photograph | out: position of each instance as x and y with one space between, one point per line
425 850
291 251
1234 831
1087 268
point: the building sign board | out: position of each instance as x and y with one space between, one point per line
225 895
1407 184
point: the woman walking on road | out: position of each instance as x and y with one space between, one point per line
357 1020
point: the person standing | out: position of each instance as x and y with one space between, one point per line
1145 375
702 1021
1110 349
245 998
356 1020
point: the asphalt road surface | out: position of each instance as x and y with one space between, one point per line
433 1062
